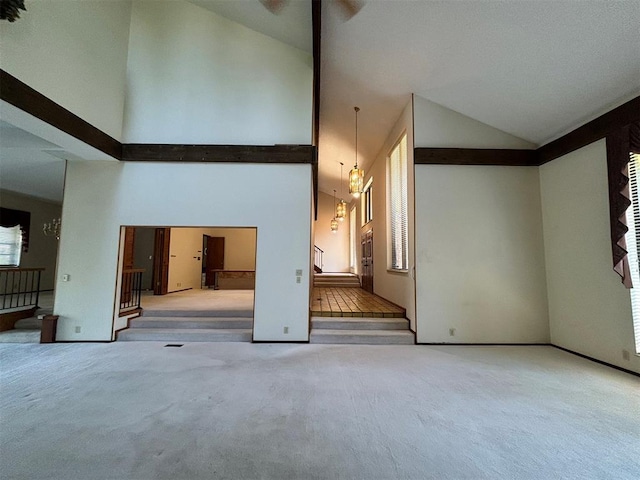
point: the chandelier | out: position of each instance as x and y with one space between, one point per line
52 229
334 222
356 175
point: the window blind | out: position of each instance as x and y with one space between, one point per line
10 246
398 206
633 244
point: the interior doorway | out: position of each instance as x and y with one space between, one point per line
367 261
197 282
212 260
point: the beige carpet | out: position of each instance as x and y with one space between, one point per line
258 411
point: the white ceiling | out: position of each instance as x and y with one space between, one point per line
292 25
30 165
535 69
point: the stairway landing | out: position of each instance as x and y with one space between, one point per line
351 302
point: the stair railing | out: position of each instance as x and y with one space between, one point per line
19 288
131 292
318 258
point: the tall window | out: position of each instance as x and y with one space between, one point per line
633 243
10 246
398 224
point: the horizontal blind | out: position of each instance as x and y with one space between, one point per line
398 206
10 246
633 243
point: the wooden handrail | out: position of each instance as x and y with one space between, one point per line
18 269
134 270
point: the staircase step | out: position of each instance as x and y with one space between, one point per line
359 323
149 312
184 335
364 337
192 322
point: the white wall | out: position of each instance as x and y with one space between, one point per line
185 254
185 259
196 77
334 245
75 53
479 247
399 288
437 126
43 250
479 257
589 308
150 194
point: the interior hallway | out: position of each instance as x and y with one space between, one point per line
275 411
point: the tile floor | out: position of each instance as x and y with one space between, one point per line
351 302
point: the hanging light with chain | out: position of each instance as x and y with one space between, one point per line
334 222
356 175
341 207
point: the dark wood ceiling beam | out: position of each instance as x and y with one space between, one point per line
592 131
316 15
22 96
142 152
474 156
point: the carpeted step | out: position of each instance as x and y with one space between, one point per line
184 335
150 312
359 323
336 285
192 322
366 337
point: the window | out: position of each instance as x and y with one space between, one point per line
367 202
10 246
633 243
398 224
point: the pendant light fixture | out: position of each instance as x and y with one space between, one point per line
334 222
356 175
341 207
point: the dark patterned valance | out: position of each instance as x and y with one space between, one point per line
619 144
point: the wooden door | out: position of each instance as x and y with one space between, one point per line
367 261
127 264
214 258
161 261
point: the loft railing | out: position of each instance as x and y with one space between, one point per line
19 288
131 291
318 257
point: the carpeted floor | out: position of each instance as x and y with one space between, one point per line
262 411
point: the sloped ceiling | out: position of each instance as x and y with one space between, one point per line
534 69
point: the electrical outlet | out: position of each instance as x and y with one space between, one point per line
78 329
286 329
298 279
452 332
625 355
66 277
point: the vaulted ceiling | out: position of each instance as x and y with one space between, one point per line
534 69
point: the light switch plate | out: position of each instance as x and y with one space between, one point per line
298 273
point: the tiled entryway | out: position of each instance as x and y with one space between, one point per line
351 302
